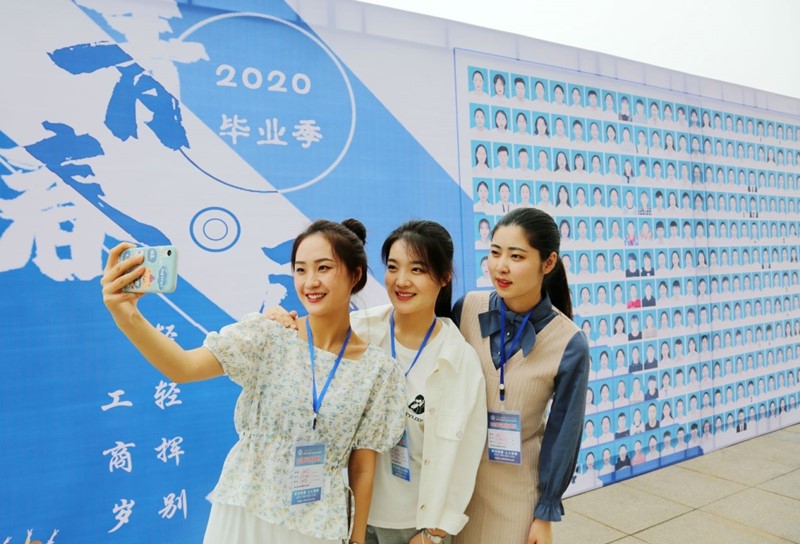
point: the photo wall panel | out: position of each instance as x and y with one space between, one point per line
679 221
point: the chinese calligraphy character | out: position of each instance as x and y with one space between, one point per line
307 132
166 394
173 503
120 457
234 127
167 330
122 513
272 133
115 402
175 451
135 89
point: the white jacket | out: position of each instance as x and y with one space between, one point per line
455 421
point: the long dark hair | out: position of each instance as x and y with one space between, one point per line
544 236
429 242
347 241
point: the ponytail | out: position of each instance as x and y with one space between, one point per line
557 288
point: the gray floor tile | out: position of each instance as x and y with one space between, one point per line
705 528
625 508
780 447
684 486
762 510
737 466
576 527
787 485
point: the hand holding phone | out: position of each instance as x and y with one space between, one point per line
161 269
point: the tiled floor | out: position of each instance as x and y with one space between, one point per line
748 493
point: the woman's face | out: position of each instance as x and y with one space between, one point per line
522 123
480 154
321 280
499 87
563 195
558 95
516 268
539 90
525 193
500 120
480 119
561 159
505 193
484 230
483 192
477 81
579 165
411 288
560 126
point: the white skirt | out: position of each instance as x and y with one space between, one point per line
234 525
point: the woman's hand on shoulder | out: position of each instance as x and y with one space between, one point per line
116 275
287 319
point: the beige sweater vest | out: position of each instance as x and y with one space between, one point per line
501 509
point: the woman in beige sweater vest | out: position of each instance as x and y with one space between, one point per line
533 445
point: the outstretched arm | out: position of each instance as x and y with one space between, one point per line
176 363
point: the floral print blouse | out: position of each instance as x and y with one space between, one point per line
364 408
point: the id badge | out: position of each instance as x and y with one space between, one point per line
308 473
505 437
401 460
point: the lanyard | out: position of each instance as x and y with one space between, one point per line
503 354
421 347
316 401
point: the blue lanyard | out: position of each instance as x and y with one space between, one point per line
503 354
316 401
421 347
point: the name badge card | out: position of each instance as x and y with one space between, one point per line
308 473
401 462
505 437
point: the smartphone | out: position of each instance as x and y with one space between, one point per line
161 269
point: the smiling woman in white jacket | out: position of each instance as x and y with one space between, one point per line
423 485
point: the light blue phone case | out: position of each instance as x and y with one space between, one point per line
161 274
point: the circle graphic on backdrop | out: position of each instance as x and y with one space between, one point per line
215 229
282 83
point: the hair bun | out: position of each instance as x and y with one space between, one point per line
357 227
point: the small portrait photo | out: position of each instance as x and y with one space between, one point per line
541 95
558 96
504 202
560 134
610 104
593 107
500 128
576 97
477 83
477 122
483 229
524 194
483 196
610 135
484 280
522 161
501 160
522 125
520 93
625 108
499 86
480 158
